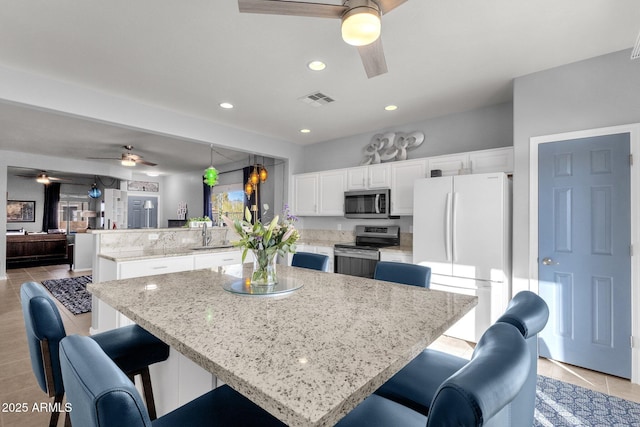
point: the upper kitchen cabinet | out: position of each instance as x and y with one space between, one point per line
495 160
403 175
319 193
372 176
483 161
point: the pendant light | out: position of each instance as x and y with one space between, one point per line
211 173
95 192
258 175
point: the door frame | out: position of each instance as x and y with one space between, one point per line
634 136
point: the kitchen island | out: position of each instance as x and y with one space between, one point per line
307 357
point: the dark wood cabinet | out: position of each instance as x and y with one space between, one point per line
37 249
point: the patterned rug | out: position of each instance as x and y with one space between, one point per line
71 292
560 404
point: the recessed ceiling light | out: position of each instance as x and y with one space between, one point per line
305 130
391 107
226 105
316 65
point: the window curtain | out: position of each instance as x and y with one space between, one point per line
51 200
255 197
206 201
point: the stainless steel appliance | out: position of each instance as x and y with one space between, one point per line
367 203
360 258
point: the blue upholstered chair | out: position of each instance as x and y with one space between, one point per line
415 385
131 347
310 260
477 394
101 395
400 272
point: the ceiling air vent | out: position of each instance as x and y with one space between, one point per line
316 99
635 53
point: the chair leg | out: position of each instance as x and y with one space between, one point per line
147 389
57 402
148 393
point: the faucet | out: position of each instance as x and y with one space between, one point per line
205 236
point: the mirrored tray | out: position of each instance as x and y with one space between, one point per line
243 287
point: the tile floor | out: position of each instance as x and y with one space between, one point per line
18 385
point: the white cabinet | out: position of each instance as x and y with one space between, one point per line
217 259
482 161
450 164
496 160
331 186
319 193
324 250
372 176
305 194
152 267
115 209
403 175
395 256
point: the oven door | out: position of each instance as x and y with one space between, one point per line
355 262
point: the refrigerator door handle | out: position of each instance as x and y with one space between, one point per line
447 227
454 216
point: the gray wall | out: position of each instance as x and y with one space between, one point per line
598 92
479 129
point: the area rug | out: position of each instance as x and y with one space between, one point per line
560 404
71 292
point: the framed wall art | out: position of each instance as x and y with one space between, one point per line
21 211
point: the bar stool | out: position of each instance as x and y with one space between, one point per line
477 394
400 272
415 385
130 347
101 396
310 260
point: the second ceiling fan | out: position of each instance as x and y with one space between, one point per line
360 23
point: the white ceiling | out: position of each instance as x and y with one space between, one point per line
443 57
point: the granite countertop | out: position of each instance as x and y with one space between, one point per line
307 357
142 254
408 249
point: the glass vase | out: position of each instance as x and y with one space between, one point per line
264 268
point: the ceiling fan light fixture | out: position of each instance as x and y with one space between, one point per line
361 25
42 179
127 162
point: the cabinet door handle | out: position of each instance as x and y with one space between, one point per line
160 267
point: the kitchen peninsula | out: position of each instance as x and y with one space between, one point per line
308 357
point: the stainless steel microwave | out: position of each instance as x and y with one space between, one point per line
367 203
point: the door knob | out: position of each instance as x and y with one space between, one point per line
549 261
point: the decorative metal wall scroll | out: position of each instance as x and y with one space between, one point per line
391 146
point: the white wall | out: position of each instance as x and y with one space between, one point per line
479 129
594 93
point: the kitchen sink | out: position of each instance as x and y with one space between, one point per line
204 248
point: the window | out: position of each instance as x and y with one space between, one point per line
227 200
73 216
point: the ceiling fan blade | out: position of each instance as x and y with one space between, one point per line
51 178
635 53
372 57
104 158
387 6
294 8
144 162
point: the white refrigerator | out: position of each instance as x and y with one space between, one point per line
462 230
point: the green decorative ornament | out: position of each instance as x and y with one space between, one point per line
211 176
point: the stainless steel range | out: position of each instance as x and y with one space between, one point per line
360 258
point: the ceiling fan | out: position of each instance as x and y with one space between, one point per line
360 23
43 178
127 158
